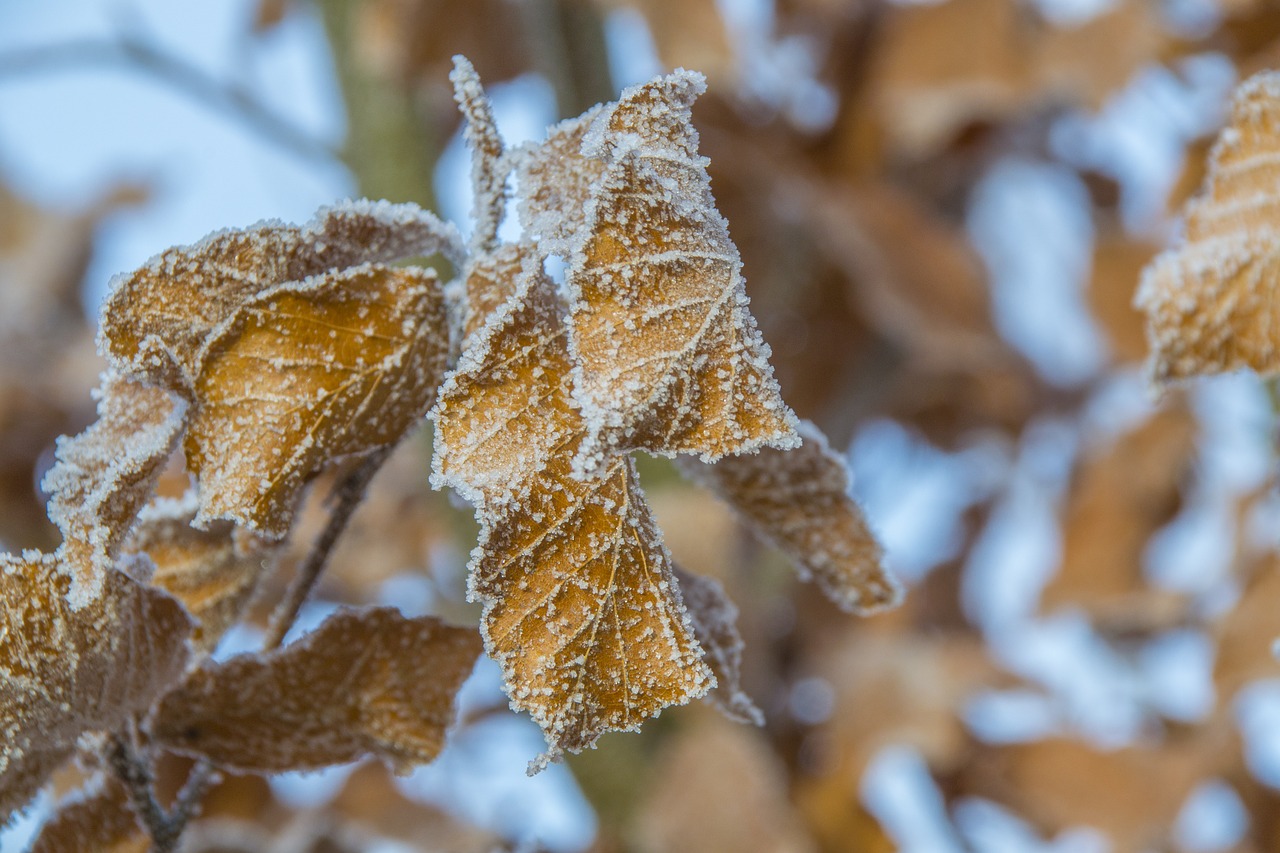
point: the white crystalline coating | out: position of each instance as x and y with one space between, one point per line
66 671
307 373
555 181
798 500
668 359
580 606
488 167
102 477
715 623
495 412
1212 304
156 319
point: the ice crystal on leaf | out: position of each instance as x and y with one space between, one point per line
715 624
364 682
306 372
799 501
103 476
64 672
157 320
667 357
556 180
580 607
1212 304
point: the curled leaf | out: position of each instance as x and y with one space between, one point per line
213 571
157 319
364 682
556 179
1211 304
335 366
667 357
715 624
580 605
103 476
798 500
64 672
488 175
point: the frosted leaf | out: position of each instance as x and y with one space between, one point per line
669 359
556 180
98 819
490 281
1212 304
156 320
581 608
102 477
64 672
798 500
488 168
364 682
213 571
715 624
505 410
305 373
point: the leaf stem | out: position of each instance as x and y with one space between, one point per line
346 497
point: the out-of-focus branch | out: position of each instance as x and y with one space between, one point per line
132 53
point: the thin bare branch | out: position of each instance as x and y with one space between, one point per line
129 52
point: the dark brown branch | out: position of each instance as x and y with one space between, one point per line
346 497
132 53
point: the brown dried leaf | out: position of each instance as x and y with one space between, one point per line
715 625
505 411
103 476
751 812
488 175
100 820
798 500
556 179
157 319
364 682
64 672
1211 303
491 279
213 571
1120 498
580 606
305 373
667 357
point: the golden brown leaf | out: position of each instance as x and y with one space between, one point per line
491 279
556 180
157 320
99 819
64 672
364 682
798 500
305 373
1211 304
715 625
667 357
213 571
505 411
103 476
580 606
